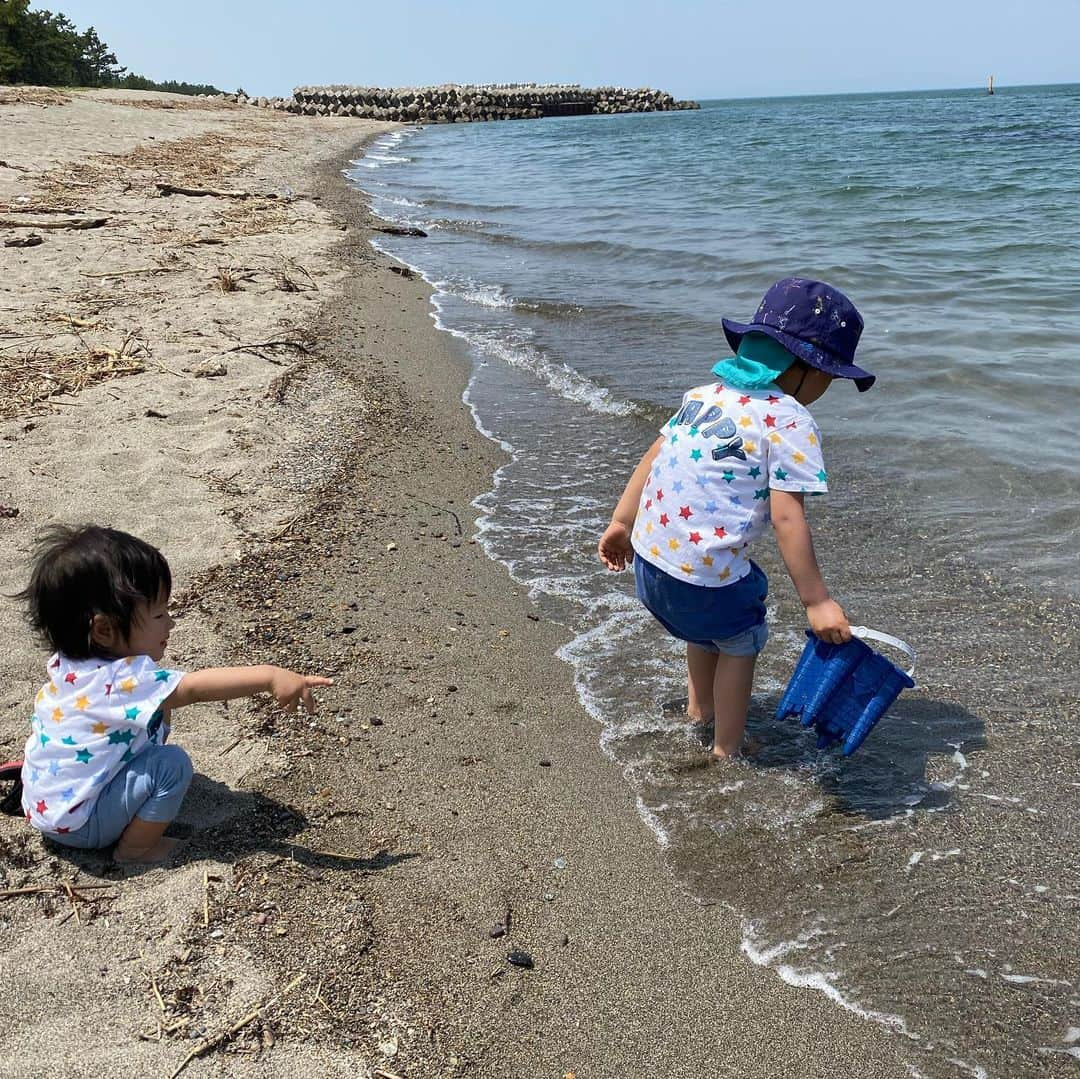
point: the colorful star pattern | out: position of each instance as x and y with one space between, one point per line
96 733
725 450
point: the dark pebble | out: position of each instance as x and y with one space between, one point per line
519 958
497 930
376 721
544 762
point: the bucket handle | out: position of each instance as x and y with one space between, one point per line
887 638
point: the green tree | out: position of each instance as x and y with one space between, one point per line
96 64
48 50
13 22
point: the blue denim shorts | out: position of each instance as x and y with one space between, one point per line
730 619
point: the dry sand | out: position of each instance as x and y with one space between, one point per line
314 503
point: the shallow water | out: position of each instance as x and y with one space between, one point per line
930 881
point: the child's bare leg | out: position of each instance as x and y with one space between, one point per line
144 841
732 683
700 675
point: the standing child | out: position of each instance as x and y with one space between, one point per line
97 770
740 450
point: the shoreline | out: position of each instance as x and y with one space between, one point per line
374 857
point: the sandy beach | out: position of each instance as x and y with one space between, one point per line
243 381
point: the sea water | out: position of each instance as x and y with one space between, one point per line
929 883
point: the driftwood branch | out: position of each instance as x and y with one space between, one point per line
68 223
140 270
212 192
259 345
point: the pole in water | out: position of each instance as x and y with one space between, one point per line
990 85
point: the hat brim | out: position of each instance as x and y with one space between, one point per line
817 357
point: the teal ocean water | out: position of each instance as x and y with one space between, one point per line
930 883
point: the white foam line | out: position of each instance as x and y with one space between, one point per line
810 979
1031 979
563 379
652 822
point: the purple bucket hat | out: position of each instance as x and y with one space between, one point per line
815 322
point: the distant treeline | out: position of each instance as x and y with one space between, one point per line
44 49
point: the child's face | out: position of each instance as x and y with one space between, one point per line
150 629
813 386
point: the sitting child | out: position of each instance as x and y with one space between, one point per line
740 451
97 770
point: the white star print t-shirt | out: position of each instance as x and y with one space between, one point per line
91 718
707 497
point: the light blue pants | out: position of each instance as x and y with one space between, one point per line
151 787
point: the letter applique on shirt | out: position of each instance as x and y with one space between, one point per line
721 461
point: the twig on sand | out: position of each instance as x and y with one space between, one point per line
441 509
206 897
382 1073
67 223
337 854
322 1003
206 1046
66 889
44 889
157 994
71 899
284 342
213 192
288 525
232 745
141 269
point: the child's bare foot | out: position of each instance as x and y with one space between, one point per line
128 854
747 748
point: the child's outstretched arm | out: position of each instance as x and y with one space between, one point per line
825 615
229 683
614 547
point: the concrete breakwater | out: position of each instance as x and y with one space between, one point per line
466 104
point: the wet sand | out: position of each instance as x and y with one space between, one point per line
320 518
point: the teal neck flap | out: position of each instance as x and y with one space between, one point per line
759 363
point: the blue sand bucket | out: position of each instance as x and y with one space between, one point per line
844 689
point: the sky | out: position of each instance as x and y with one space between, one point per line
694 49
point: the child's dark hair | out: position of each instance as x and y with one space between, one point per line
80 571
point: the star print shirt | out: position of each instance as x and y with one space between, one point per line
90 719
707 497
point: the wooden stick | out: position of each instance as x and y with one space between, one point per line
288 525
283 343
127 273
204 1047
41 889
206 897
157 993
71 899
70 223
232 745
213 192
